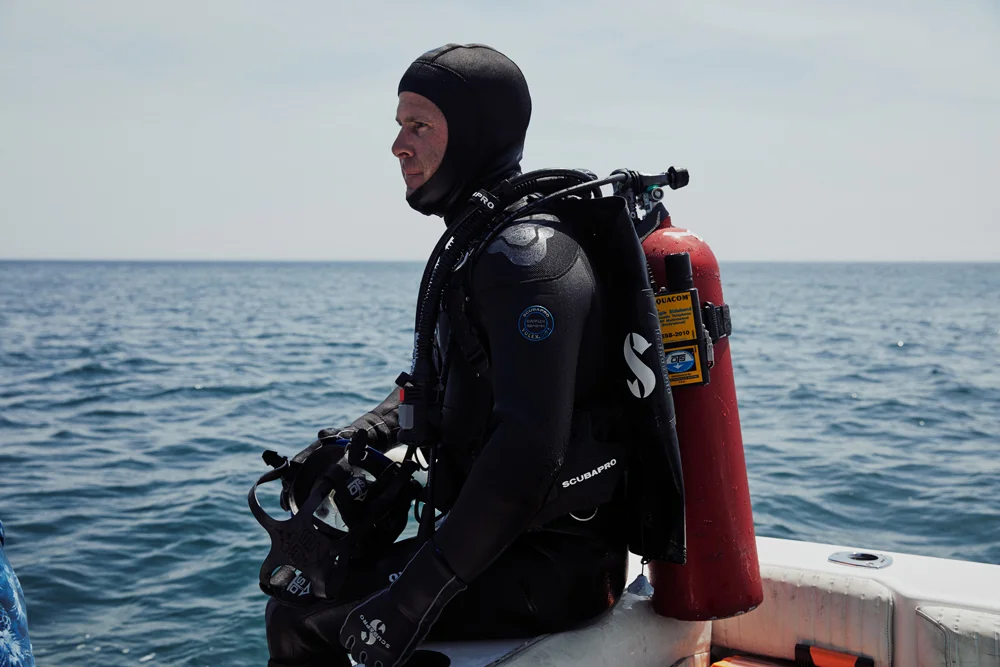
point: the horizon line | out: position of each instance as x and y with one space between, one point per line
172 260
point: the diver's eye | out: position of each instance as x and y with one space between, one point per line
417 125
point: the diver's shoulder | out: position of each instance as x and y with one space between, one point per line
532 248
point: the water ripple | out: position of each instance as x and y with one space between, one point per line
135 400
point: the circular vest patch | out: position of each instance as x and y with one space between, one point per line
536 323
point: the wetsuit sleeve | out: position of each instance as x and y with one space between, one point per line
381 423
533 315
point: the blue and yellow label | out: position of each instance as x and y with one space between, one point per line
683 365
679 329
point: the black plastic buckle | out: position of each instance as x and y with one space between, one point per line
418 411
717 320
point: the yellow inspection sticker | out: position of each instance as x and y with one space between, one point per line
676 317
683 366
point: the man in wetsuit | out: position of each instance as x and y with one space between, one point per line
489 570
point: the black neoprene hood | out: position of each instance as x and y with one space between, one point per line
484 98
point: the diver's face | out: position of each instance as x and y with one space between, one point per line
422 139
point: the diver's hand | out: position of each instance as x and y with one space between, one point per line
381 430
381 423
384 630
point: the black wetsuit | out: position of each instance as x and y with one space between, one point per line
505 436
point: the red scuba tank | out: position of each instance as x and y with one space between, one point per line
721 577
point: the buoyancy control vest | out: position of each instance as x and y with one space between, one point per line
642 443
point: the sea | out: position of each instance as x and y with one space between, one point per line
136 400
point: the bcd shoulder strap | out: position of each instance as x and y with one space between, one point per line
458 302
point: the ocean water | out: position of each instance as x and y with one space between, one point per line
136 398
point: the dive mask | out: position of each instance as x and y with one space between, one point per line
347 502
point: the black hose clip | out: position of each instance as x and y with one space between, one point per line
493 201
485 200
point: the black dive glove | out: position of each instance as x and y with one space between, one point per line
381 424
384 630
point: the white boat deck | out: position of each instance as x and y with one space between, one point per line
916 612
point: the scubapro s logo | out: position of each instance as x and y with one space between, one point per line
376 630
645 380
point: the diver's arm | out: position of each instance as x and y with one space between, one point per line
533 384
381 423
533 390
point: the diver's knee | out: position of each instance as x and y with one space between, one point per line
305 636
287 638
282 618
274 613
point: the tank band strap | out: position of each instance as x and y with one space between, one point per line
717 320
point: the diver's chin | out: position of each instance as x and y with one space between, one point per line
413 182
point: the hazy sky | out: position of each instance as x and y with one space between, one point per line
813 130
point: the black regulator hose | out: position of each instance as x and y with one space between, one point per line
673 177
432 262
548 181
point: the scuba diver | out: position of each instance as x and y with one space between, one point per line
513 405
15 645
